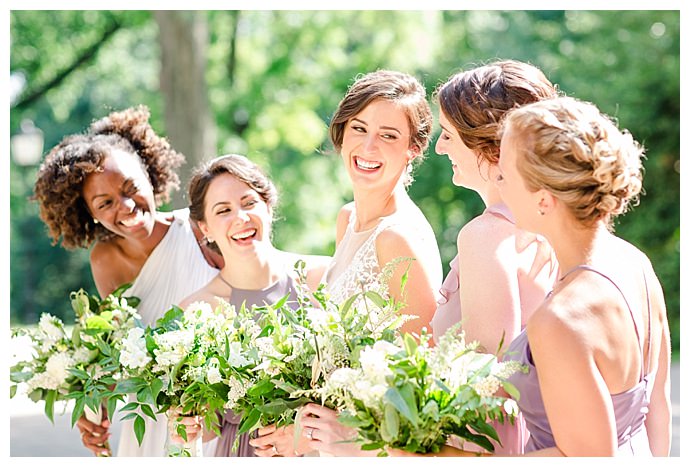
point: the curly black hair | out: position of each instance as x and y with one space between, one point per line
60 180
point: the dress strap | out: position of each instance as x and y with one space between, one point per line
649 323
632 315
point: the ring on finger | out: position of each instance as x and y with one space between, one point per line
310 433
274 449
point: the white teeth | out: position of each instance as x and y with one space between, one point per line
243 235
133 220
362 164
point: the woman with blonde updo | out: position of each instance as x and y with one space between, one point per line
598 347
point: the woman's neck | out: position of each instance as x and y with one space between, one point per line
576 245
372 205
253 272
140 249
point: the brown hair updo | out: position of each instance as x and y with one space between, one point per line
476 100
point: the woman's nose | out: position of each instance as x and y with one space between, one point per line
127 203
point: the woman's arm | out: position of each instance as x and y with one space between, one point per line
489 287
659 418
419 294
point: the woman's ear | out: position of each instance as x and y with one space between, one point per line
547 201
412 153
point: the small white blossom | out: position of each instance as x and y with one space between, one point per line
134 354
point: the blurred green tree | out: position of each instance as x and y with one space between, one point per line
273 79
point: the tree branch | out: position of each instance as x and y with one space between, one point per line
85 57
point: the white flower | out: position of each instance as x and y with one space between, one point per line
82 355
50 331
506 368
198 312
50 326
57 366
134 354
213 375
487 387
511 407
236 359
374 363
317 317
173 346
236 390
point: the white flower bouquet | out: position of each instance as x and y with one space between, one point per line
82 366
412 397
299 348
190 363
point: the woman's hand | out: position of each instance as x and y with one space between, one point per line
326 434
273 441
94 437
192 426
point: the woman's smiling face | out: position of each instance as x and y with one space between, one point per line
376 145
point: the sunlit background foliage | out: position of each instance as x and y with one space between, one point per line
273 79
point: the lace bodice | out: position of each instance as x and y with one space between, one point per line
355 266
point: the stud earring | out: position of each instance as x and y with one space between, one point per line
95 221
541 213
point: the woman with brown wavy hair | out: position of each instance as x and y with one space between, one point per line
101 190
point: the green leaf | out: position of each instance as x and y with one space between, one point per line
98 323
51 395
145 395
378 300
410 344
78 409
275 407
481 427
129 406
130 415
81 374
249 422
120 290
261 388
148 411
390 423
403 399
511 390
139 428
13 390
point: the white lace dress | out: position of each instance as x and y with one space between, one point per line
355 265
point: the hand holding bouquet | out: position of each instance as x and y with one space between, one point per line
190 364
413 397
82 366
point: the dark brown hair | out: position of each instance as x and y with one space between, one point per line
61 176
239 167
476 100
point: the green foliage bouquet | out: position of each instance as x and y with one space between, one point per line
82 366
413 397
188 364
298 349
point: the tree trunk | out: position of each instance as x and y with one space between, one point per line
190 127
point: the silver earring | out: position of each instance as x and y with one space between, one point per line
208 240
95 221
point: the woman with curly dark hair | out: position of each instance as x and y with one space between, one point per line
101 190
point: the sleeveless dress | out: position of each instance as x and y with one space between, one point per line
630 407
449 313
230 422
355 266
174 270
